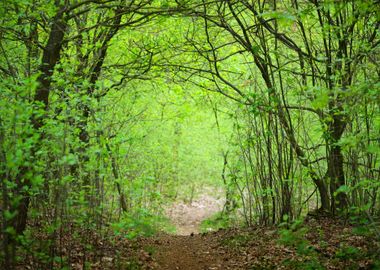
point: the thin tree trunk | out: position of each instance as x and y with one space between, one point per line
123 203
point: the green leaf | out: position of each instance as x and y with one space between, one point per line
282 17
373 149
321 101
10 230
9 215
342 189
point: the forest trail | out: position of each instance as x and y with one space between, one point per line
190 252
331 245
187 217
189 249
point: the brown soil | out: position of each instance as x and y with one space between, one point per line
187 252
259 248
188 249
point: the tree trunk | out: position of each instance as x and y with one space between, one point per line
335 170
50 58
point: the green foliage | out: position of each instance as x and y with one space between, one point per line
141 223
90 129
347 252
294 235
218 221
308 264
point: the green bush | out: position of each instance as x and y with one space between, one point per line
294 235
141 223
215 222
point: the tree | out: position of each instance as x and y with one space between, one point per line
45 33
321 44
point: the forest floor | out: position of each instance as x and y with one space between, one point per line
317 243
322 243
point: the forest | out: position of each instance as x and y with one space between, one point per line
189 134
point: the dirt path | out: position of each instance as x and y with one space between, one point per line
188 217
188 249
259 248
238 249
187 252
